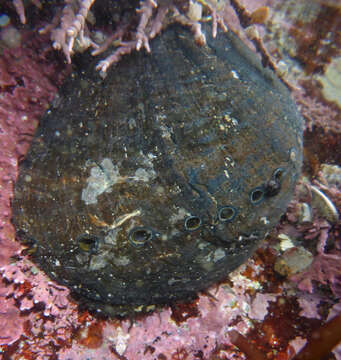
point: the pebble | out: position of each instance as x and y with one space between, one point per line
293 260
332 173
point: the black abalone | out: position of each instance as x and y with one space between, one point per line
154 183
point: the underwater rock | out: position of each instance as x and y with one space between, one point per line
156 182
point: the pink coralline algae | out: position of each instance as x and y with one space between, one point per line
326 266
11 322
274 314
325 269
28 83
188 330
43 308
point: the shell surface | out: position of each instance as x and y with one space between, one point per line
159 180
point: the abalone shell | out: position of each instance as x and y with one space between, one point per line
156 182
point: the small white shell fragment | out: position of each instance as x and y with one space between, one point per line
305 213
324 205
286 243
195 11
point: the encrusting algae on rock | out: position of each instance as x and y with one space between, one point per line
156 182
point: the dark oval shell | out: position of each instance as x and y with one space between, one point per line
156 182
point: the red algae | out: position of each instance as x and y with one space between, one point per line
90 336
179 354
265 258
248 347
322 341
183 311
318 41
279 326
